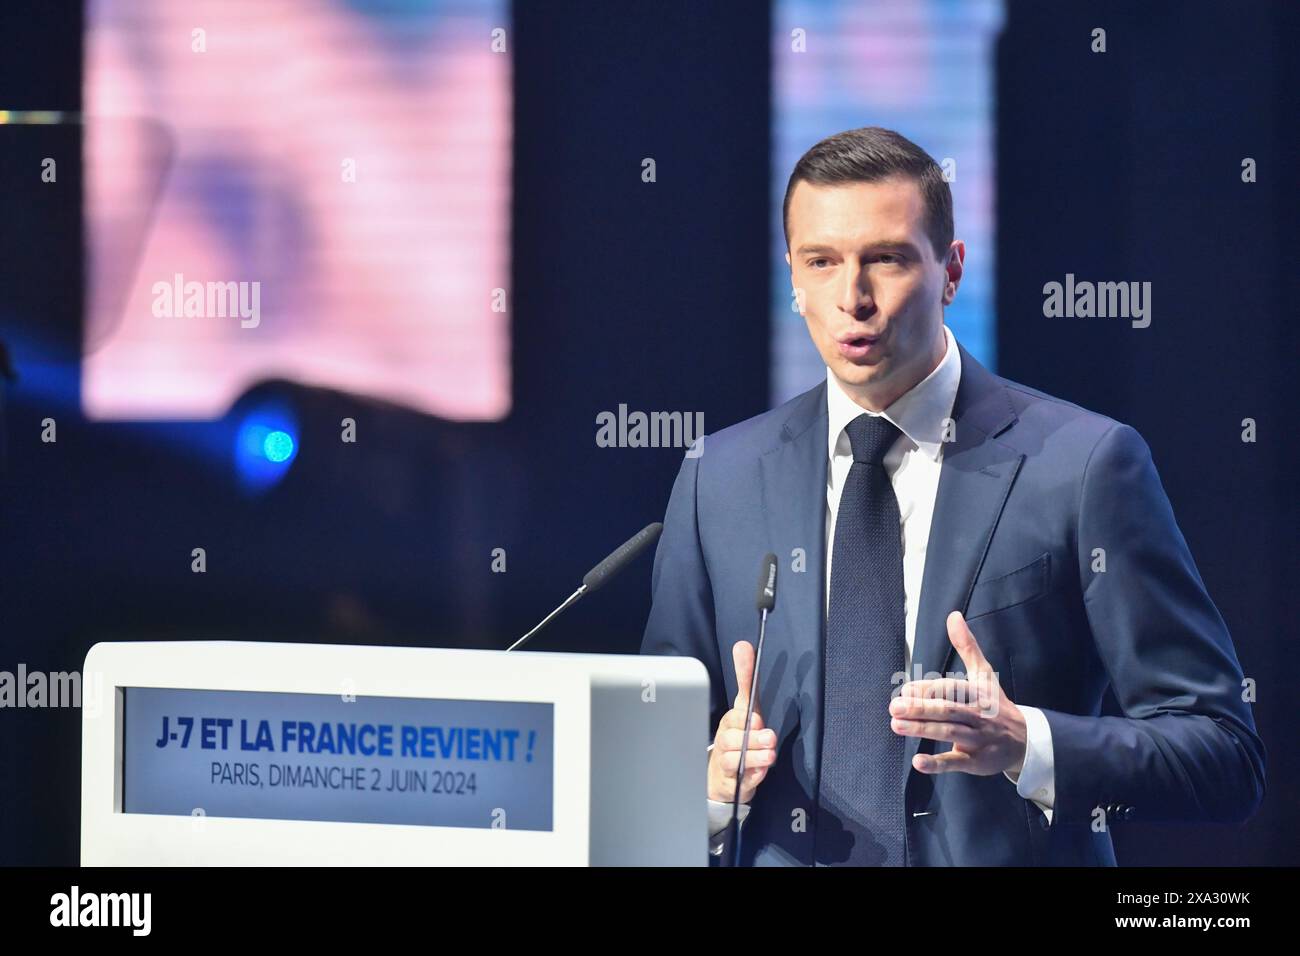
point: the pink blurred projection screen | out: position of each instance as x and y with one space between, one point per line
299 189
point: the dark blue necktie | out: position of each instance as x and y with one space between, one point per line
860 795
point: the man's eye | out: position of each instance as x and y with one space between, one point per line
813 263
889 258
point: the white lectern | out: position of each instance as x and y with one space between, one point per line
232 753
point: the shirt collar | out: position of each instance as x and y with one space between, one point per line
919 413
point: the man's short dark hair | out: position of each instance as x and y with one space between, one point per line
869 155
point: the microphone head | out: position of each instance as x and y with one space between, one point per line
767 584
622 556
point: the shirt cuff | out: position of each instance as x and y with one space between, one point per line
719 820
1037 778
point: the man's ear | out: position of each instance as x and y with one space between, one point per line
953 269
793 288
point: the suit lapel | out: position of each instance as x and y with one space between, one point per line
975 479
793 476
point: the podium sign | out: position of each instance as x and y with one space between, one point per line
222 753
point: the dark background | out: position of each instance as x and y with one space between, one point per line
1123 167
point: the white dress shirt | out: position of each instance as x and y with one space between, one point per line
914 464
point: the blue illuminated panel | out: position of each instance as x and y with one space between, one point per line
451 763
925 69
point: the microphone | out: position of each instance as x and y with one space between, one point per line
766 602
619 558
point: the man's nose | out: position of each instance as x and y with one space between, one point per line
855 295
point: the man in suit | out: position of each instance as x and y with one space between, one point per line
965 565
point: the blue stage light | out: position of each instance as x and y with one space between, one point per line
265 446
278 446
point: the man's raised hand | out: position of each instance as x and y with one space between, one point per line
724 758
986 729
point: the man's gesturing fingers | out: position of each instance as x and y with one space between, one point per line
729 761
731 738
760 754
978 670
725 757
742 655
918 708
945 762
968 649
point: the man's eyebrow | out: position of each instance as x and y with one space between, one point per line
903 245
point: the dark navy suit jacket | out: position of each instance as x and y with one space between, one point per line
1034 493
